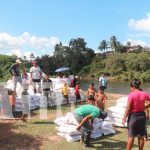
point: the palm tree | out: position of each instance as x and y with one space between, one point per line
114 43
128 43
103 45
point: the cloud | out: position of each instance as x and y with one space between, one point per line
141 25
147 35
136 42
16 43
16 52
10 42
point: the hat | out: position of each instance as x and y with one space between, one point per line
76 77
18 61
103 115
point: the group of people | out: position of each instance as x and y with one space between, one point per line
34 78
134 113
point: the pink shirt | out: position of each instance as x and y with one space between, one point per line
137 100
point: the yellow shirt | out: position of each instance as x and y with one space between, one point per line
65 90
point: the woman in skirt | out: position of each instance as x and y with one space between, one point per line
136 115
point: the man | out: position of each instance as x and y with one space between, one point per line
83 115
103 81
36 75
47 87
16 76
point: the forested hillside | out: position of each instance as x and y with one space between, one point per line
124 62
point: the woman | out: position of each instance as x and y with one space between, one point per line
136 115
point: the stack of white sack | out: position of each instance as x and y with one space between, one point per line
66 127
33 101
116 112
36 100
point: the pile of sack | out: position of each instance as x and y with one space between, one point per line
37 100
116 112
66 127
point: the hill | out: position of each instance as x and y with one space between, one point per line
123 66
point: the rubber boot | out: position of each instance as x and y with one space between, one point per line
87 137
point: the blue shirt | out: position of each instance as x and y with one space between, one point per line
103 81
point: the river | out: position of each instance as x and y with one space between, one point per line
118 87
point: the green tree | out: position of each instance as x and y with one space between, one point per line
114 44
103 46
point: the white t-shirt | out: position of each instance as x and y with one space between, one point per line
36 72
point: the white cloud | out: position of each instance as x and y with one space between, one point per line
16 43
147 35
10 42
136 42
16 52
143 24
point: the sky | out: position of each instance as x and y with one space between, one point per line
35 26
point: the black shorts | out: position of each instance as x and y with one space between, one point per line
36 80
78 97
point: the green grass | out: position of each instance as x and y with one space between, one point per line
40 134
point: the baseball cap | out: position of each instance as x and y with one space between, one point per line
18 61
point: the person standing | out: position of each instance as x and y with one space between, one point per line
77 92
65 92
101 99
136 116
47 87
15 72
36 75
91 90
103 81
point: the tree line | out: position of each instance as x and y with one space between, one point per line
83 61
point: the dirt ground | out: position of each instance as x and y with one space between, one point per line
11 136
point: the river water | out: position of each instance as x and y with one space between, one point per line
117 87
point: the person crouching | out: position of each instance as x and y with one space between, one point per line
83 115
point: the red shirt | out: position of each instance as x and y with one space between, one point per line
77 89
137 100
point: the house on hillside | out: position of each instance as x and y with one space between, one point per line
133 48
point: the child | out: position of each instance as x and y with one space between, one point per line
101 99
77 92
24 75
12 101
91 90
65 91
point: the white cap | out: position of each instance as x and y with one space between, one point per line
18 61
76 77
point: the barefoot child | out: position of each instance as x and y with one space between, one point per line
65 92
91 90
101 99
77 92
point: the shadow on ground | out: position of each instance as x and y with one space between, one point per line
12 139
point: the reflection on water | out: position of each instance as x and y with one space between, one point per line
114 86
